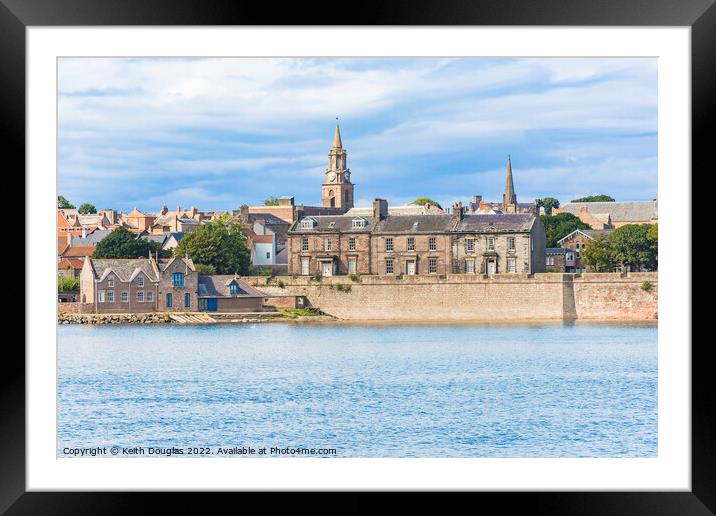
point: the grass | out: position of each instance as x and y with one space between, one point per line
646 286
298 312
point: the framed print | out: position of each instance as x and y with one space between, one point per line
415 251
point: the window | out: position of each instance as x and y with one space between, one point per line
187 300
327 244
234 289
351 244
352 265
110 280
512 265
358 223
100 296
432 265
389 244
470 266
433 244
490 243
304 244
550 260
411 244
150 296
470 245
510 243
169 300
304 266
178 279
268 255
124 297
140 281
389 266
110 296
308 223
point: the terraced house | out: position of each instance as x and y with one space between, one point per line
139 285
385 244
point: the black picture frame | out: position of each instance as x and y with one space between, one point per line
700 15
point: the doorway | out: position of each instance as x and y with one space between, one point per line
327 269
410 267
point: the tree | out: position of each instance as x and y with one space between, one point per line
598 254
87 208
64 203
595 198
422 201
635 245
548 203
271 201
68 284
559 226
121 243
218 244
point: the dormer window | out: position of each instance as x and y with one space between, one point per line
359 223
234 289
308 223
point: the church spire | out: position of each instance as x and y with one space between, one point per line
337 144
509 200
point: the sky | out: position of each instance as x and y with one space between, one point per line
217 133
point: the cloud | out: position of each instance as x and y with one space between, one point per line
145 130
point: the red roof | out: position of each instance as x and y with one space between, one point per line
74 263
81 250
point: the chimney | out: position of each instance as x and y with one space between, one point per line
380 209
457 213
285 201
244 217
477 199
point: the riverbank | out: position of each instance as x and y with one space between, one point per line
192 318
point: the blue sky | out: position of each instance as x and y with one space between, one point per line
218 133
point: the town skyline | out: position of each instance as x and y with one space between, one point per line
197 132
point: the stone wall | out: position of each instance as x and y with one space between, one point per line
463 297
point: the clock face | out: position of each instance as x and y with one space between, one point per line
332 176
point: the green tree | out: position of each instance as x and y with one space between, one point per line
595 198
598 254
422 201
559 226
67 284
271 201
122 243
87 208
548 203
219 244
635 245
63 203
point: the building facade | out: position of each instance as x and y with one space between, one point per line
576 242
139 285
384 244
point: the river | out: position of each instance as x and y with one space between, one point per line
523 390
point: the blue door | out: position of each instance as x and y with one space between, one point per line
211 304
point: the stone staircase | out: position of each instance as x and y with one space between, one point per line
192 318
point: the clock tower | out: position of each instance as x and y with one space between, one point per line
337 189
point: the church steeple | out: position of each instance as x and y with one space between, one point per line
509 200
337 143
337 189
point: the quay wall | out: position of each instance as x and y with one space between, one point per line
542 296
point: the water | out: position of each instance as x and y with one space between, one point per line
366 391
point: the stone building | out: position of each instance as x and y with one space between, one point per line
228 293
337 189
577 241
559 259
609 215
384 244
139 285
